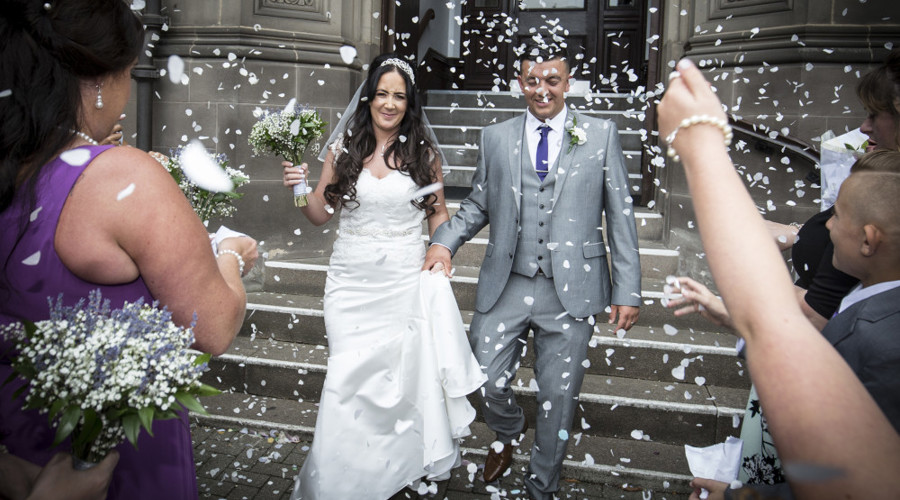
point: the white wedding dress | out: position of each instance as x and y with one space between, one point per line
394 404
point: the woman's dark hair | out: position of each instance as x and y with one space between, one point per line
412 153
879 89
47 49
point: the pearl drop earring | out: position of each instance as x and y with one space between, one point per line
99 103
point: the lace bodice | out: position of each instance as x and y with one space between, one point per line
384 209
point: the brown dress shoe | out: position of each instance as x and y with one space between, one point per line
497 463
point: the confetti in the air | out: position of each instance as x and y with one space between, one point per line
175 68
202 170
425 191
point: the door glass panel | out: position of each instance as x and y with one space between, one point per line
487 4
551 4
620 3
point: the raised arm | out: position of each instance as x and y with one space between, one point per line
818 411
126 218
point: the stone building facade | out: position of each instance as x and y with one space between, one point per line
790 65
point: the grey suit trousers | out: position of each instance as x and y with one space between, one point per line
560 343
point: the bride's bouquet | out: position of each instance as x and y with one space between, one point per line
207 203
102 374
288 133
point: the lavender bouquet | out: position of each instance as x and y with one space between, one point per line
288 133
207 203
102 374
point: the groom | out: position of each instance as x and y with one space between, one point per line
543 191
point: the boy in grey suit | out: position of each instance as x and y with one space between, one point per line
543 181
866 236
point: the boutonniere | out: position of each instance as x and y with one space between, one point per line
577 135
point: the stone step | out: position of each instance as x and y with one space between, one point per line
622 463
494 100
285 276
446 115
666 353
656 260
456 138
460 176
649 223
307 277
610 406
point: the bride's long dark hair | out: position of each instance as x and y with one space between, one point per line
415 155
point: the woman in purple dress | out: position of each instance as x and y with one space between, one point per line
75 217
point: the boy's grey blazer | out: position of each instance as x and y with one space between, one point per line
590 178
867 334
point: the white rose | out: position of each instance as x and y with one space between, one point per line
580 135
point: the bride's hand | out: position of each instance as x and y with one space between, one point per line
293 175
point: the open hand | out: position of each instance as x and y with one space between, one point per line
688 94
691 297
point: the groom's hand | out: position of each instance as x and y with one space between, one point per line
623 316
437 259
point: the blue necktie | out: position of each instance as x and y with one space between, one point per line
541 164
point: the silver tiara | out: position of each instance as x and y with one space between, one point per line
403 65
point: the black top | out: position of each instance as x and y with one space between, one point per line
812 257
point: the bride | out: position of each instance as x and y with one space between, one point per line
394 404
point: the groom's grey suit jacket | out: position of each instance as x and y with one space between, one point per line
590 178
867 334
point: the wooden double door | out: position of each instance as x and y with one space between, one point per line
607 35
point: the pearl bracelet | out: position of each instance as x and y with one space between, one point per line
236 255
722 123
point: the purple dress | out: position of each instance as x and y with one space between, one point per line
163 465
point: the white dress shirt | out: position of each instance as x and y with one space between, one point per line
554 137
858 293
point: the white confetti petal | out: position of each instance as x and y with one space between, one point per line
637 434
34 214
348 53
125 193
200 168
425 191
76 157
33 259
175 68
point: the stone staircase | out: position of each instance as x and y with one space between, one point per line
667 382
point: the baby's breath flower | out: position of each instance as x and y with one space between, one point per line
288 133
94 364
